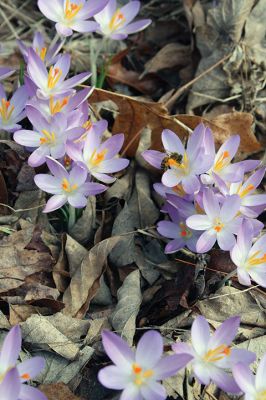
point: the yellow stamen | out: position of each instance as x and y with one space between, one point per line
117 20
246 191
48 138
140 375
218 225
261 395
42 52
67 187
72 9
53 77
56 107
87 125
255 260
217 354
5 110
97 158
222 161
179 190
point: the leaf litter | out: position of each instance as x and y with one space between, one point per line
110 271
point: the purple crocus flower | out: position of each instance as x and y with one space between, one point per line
72 187
52 83
179 210
252 204
254 387
12 383
116 23
5 72
99 158
220 222
212 356
180 165
49 138
49 55
137 373
249 259
72 15
222 163
12 111
177 190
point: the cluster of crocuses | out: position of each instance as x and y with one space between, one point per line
63 135
13 376
209 200
210 358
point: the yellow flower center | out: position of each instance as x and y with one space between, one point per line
141 376
97 158
254 260
178 189
217 354
117 20
48 137
53 77
6 110
72 9
41 52
218 225
222 161
56 107
67 187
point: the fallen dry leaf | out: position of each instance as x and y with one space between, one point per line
135 115
58 391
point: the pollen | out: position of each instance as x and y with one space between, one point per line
48 137
218 225
136 368
256 260
42 52
6 110
217 354
72 9
97 158
25 376
117 20
222 161
184 232
140 376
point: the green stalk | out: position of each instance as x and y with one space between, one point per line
71 217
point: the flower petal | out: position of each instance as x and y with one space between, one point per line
230 207
199 222
171 142
11 348
244 377
174 245
172 177
226 240
170 365
211 204
55 202
153 157
191 184
168 229
77 200
118 350
10 387
113 377
225 333
153 390
28 393
260 376
149 349
224 381
200 334
206 241
131 392
29 369
84 26
48 183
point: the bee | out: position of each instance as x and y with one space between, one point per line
165 165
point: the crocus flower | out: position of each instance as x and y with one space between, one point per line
72 15
12 111
99 158
254 387
5 72
179 210
220 222
49 138
212 356
249 259
72 187
49 55
137 373
222 165
67 105
252 204
24 371
180 165
52 83
177 190
116 23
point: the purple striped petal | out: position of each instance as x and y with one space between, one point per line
10 387
260 377
85 26
153 390
38 157
171 142
131 392
226 333
182 348
211 204
114 165
103 177
63 29
56 168
78 175
149 349
170 365
113 145
31 393
154 157
174 245
77 200
135 27
226 240
172 177
92 188
206 241
11 348
118 350
243 277
113 377
48 183
200 335
244 378
199 222
29 369
191 184
224 381
5 72
168 229
53 10
76 80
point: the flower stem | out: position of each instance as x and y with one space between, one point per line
94 57
71 217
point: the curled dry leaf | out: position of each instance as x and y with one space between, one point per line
58 391
85 280
129 298
135 115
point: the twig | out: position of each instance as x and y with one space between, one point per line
183 88
233 294
21 209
